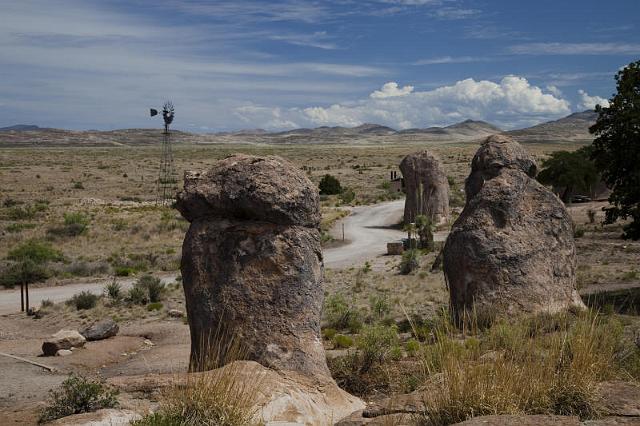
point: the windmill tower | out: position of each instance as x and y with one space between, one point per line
167 182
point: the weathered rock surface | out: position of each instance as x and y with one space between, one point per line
101 330
280 396
522 420
512 249
64 352
63 339
106 417
252 263
426 186
620 398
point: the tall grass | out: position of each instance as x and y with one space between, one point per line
226 396
549 365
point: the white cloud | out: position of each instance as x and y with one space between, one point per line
554 91
318 40
576 49
455 13
509 103
450 60
390 90
589 102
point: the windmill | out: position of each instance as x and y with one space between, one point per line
167 181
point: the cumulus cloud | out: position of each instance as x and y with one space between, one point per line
512 102
589 102
390 90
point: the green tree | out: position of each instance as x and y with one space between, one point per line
329 185
425 231
616 149
570 171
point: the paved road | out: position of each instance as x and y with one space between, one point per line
367 231
10 299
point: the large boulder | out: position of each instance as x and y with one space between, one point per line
252 264
63 339
511 250
100 330
426 187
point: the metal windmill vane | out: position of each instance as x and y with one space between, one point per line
167 182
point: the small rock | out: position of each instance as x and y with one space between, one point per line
63 339
100 330
148 342
64 352
175 313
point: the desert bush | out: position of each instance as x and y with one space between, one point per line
114 291
84 300
26 212
591 214
123 271
19 227
578 232
35 251
347 196
23 272
328 333
329 185
78 395
374 343
75 224
409 262
553 370
46 303
341 315
154 306
412 346
154 287
81 268
137 295
379 305
340 341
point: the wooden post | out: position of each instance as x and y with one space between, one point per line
26 293
343 231
21 297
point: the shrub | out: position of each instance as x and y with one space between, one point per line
123 271
374 343
84 300
23 272
75 224
329 185
137 295
155 306
591 214
113 291
46 303
328 333
340 315
379 306
78 395
35 251
19 227
340 341
412 346
153 286
578 232
347 196
409 262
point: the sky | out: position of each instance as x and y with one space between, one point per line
277 65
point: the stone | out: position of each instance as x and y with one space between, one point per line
395 248
245 187
511 251
426 187
620 398
63 339
279 397
100 330
64 352
521 420
252 264
175 313
104 417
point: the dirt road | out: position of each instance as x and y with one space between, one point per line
367 231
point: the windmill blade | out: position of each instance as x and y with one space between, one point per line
153 112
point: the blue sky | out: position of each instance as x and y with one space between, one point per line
227 65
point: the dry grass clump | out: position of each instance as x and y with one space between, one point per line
547 365
222 397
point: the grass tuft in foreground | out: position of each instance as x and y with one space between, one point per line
547 365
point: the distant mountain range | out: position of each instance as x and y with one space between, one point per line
573 128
